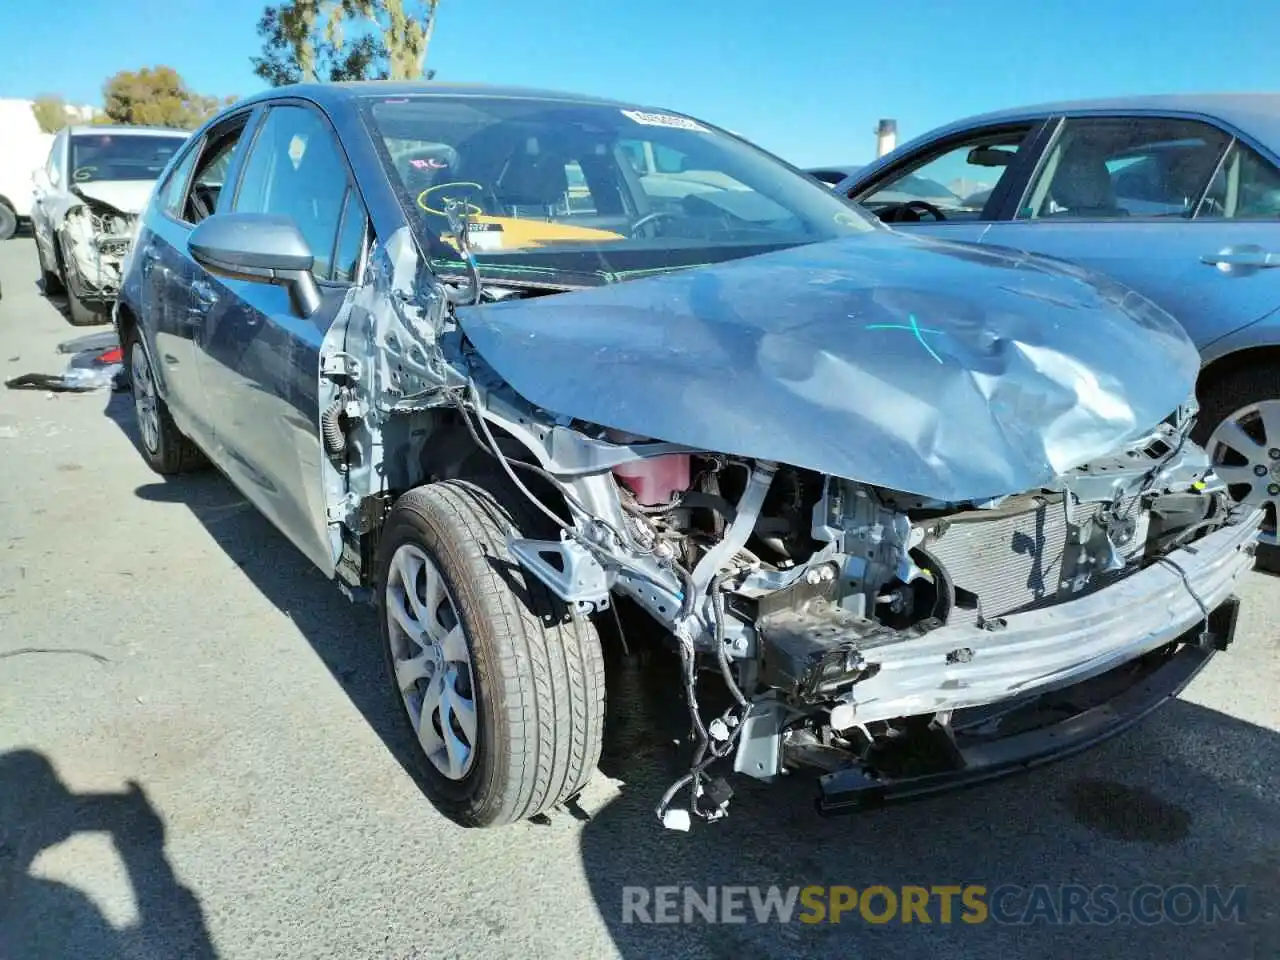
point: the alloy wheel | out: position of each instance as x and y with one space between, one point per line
144 398
432 661
1245 449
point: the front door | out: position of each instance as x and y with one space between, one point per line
955 186
259 359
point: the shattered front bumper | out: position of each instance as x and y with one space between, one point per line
1047 683
954 667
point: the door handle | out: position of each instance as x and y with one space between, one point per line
1258 259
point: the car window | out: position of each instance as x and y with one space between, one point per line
957 179
213 159
592 187
295 168
350 245
56 165
1108 167
1246 187
121 156
174 191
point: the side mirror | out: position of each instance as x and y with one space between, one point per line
40 180
265 247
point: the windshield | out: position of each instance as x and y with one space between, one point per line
114 156
599 189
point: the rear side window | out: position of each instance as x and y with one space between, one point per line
194 187
175 188
1246 187
295 168
1102 168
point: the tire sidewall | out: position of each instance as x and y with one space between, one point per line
155 459
8 221
460 800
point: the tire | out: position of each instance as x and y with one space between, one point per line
80 313
1224 398
51 279
536 673
8 221
164 447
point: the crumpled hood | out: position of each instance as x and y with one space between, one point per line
933 368
127 196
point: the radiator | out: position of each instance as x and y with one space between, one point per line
1014 560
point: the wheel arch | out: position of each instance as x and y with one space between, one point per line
1220 368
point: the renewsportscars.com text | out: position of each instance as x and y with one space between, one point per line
1065 904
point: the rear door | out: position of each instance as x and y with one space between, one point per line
955 186
174 302
1177 207
259 359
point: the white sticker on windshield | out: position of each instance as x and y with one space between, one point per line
664 120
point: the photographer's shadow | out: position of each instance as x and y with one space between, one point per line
45 918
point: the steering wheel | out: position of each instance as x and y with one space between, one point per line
894 214
81 174
654 217
428 197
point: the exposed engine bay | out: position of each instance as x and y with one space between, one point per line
838 614
97 237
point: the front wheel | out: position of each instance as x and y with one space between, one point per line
503 688
1240 428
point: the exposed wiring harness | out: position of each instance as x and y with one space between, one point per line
709 748
714 743
490 445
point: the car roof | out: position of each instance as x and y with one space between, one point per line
1255 113
126 130
381 89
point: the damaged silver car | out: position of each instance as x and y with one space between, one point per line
88 195
911 514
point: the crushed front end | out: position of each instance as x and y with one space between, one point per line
97 239
904 646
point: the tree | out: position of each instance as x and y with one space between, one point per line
156 96
51 112
307 40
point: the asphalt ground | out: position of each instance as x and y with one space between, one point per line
199 757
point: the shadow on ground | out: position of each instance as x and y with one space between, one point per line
40 917
1192 796
343 634
1189 797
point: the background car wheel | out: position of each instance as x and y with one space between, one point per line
164 447
51 280
8 221
503 689
81 314
1239 426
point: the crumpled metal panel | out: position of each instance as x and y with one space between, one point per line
940 369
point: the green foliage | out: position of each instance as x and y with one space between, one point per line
156 96
51 112
308 40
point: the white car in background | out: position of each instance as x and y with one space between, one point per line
22 148
88 195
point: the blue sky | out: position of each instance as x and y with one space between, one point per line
806 80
